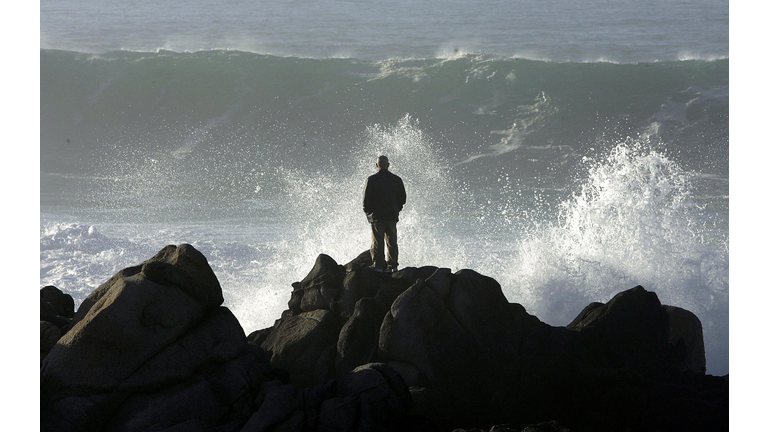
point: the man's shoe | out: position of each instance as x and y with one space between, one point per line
391 269
376 269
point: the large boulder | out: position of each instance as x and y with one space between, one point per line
152 347
329 306
358 340
631 331
453 334
686 334
319 288
205 380
305 345
138 311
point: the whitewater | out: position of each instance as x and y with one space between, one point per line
568 165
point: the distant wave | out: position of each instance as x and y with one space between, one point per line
177 102
444 53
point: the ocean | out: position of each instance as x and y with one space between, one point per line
569 150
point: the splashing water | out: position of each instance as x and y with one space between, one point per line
631 223
634 222
326 208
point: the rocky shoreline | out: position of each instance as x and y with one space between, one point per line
422 349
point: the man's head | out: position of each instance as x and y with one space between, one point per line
382 163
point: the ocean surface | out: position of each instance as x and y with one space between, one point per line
570 150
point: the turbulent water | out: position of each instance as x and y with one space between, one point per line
567 180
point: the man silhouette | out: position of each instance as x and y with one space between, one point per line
383 200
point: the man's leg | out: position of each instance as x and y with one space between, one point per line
391 239
377 244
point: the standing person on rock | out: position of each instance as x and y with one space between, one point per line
383 200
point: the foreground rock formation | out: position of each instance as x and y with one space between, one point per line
422 349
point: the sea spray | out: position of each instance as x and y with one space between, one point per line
633 222
323 204
78 258
321 213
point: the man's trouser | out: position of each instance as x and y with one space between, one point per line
384 232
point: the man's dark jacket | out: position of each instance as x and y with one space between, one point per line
384 197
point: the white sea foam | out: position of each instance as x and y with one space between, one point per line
78 258
633 223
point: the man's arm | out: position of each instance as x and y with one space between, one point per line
366 198
401 196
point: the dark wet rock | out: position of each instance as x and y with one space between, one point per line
319 288
152 348
631 330
687 336
49 335
61 304
56 312
421 349
305 344
130 319
358 340
371 397
433 326
470 357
